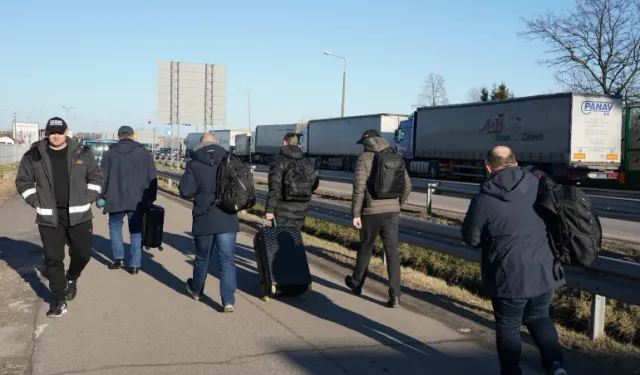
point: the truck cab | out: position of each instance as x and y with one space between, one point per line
98 146
403 137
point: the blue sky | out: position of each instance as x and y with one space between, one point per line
101 56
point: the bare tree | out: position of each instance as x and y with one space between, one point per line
475 95
433 92
596 47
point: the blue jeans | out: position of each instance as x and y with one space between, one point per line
226 243
135 230
533 312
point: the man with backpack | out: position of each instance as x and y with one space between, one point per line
381 186
517 263
292 181
214 224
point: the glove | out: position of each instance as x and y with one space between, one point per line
100 203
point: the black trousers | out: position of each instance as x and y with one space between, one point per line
288 222
80 239
385 225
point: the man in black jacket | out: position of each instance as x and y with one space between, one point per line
287 213
517 263
212 227
130 186
60 178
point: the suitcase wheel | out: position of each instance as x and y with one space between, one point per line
273 289
265 298
146 248
160 248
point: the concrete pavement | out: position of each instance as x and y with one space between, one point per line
145 324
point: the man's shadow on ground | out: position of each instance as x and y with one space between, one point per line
26 258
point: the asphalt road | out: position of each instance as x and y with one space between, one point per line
613 228
145 324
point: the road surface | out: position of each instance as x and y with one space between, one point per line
145 324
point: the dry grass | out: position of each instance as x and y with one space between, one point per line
437 273
7 180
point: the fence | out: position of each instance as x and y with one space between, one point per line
607 277
12 153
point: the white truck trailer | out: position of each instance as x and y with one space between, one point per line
227 138
333 142
268 140
571 137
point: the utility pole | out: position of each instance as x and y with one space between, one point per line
344 79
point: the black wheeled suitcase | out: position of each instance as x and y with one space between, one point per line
282 261
152 227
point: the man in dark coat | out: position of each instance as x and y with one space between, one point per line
130 186
60 178
211 227
517 262
287 213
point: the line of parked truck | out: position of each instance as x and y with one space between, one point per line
572 137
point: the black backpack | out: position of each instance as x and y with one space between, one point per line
298 180
235 190
387 175
575 233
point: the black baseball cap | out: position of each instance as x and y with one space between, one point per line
368 134
125 131
55 125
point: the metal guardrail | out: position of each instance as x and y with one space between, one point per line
606 278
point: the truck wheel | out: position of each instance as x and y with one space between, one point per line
318 162
346 164
434 171
354 162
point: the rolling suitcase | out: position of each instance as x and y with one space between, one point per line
152 227
282 261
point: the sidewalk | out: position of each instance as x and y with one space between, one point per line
145 324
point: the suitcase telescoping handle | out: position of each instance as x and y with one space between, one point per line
264 218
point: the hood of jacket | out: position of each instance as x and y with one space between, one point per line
125 146
292 151
375 144
510 184
208 153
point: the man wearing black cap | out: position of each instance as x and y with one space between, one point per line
375 217
130 186
60 178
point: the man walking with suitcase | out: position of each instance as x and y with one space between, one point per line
130 187
212 227
60 178
292 181
376 210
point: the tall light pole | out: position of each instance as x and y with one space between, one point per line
67 109
248 102
344 78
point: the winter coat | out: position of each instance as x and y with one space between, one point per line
34 182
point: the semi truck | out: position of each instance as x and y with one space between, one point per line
332 143
190 141
245 147
571 137
227 138
268 140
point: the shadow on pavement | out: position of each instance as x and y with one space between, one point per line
26 259
150 266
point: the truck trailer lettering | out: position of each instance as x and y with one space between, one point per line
589 106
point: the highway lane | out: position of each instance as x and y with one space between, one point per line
613 228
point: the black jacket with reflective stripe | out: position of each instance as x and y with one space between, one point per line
34 182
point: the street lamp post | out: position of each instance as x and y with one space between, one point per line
248 102
67 109
344 79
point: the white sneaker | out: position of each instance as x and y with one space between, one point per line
228 308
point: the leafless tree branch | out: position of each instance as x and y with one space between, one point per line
595 48
433 92
474 95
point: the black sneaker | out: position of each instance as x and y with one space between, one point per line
351 284
393 302
556 369
119 263
72 289
57 309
